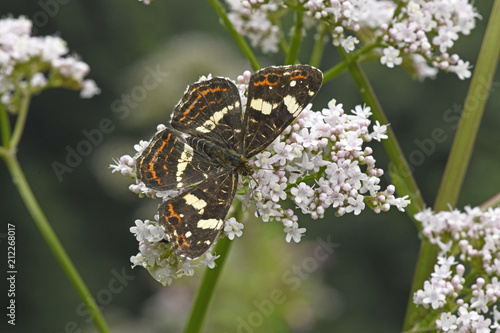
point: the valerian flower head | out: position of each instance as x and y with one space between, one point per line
31 64
319 162
417 34
469 242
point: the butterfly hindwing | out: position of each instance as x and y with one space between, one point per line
211 110
276 96
169 162
193 219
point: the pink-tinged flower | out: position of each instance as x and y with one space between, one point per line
470 248
42 61
422 32
391 57
233 228
447 322
294 232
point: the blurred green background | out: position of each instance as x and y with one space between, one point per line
268 285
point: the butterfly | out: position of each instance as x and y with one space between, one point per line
210 144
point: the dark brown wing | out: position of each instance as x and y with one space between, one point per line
169 162
211 110
194 219
276 96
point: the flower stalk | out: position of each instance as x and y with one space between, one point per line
8 153
391 145
25 72
240 41
293 52
52 241
461 151
209 283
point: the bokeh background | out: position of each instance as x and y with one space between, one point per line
363 286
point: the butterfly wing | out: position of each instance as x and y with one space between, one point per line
211 110
195 218
169 162
276 96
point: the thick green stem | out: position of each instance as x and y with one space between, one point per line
293 51
319 46
50 237
207 288
348 60
240 41
21 119
5 126
461 150
479 91
391 144
8 153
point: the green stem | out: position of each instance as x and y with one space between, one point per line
293 51
401 170
391 144
461 150
8 153
207 288
240 41
348 60
21 118
275 19
335 71
319 46
5 126
50 237
475 101
492 202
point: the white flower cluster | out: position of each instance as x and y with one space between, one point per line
468 291
427 30
319 162
156 255
420 32
251 19
37 63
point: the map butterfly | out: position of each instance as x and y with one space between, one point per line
211 143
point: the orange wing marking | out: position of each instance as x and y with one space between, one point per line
265 82
200 95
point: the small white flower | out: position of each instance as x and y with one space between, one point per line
209 260
462 69
379 131
186 269
446 322
433 295
89 89
351 141
349 43
233 228
38 80
480 302
140 230
302 194
356 205
294 232
391 57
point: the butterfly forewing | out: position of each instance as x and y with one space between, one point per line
169 162
195 218
211 110
276 96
